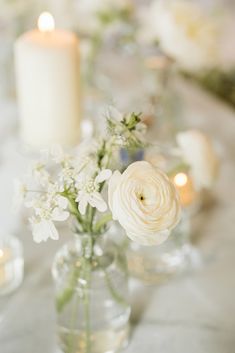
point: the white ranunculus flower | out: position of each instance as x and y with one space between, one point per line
198 151
145 203
184 32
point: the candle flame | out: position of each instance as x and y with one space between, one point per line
46 22
1 253
180 179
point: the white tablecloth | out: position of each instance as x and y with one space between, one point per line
193 314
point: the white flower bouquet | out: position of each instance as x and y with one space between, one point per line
75 186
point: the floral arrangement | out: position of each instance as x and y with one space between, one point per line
142 199
85 187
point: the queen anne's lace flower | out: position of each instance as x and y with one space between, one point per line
89 192
39 173
58 155
43 230
48 210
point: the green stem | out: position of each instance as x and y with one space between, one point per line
68 293
74 315
86 301
74 209
104 151
116 296
91 213
101 222
87 319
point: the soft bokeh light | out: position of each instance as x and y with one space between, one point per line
180 179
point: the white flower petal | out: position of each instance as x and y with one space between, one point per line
113 182
105 174
96 200
62 202
80 196
53 231
59 215
83 204
43 230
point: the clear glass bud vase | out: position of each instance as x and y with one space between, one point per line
91 296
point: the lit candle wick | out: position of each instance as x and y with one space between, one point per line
46 22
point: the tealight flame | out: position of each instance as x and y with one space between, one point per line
46 22
180 179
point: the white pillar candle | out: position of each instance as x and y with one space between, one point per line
47 77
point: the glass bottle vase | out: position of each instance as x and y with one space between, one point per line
91 296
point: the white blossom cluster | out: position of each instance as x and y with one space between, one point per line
63 185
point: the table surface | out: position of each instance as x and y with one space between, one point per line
194 313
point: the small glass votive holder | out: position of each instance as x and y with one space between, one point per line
157 264
11 264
